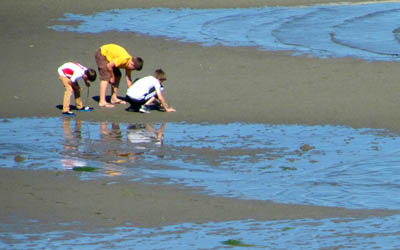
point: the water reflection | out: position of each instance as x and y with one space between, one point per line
73 139
112 134
146 133
322 165
110 146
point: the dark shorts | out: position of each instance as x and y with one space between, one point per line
101 62
135 104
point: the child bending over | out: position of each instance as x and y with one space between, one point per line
69 74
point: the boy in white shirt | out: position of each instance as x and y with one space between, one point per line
146 92
69 74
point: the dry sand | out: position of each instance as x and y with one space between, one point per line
216 84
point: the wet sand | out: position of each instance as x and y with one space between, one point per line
213 84
54 197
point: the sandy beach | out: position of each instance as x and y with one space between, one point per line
205 84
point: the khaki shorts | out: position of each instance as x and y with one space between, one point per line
101 62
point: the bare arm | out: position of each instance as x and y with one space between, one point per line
128 77
74 85
163 102
87 83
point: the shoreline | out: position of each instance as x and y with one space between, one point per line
53 198
289 89
205 84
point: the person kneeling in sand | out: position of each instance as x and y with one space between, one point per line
147 92
69 74
109 59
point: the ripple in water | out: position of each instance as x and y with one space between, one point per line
313 165
339 233
367 31
322 165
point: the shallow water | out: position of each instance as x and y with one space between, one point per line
319 165
380 233
367 31
322 165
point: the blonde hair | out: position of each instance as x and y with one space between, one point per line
160 75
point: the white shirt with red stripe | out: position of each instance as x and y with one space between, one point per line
72 70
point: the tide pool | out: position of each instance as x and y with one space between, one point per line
312 165
367 31
315 165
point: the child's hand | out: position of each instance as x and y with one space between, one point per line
112 80
170 110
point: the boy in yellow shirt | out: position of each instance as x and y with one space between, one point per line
110 58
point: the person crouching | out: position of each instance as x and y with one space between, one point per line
146 93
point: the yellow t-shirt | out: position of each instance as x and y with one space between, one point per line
117 54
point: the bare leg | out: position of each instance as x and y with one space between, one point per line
150 101
114 92
103 90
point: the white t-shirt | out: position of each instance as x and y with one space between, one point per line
144 87
72 70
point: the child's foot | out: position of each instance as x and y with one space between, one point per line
106 105
145 109
118 101
68 113
85 109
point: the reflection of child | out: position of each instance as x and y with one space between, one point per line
147 91
71 144
139 133
69 74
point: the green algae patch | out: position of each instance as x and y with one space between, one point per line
19 158
236 243
288 168
85 169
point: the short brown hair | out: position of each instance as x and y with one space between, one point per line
91 74
160 75
138 61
